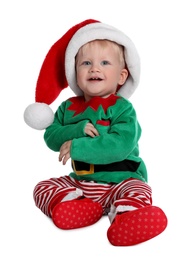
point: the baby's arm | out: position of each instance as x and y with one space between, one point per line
64 155
62 130
115 144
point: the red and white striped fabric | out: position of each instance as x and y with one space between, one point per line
129 193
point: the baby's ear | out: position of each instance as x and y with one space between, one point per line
123 77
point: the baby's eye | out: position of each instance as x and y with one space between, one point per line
105 62
86 63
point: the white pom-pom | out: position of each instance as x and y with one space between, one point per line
38 116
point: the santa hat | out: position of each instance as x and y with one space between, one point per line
58 69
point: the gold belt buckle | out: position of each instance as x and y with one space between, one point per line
83 172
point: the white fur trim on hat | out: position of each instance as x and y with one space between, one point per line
38 116
95 31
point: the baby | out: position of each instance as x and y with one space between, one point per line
98 130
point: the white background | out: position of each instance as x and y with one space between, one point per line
161 33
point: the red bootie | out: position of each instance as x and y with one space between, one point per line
76 213
134 227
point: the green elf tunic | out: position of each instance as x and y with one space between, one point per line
111 157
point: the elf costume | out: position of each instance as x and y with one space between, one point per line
108 175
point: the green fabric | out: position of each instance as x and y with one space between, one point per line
116 142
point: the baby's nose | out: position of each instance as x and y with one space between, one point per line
94 68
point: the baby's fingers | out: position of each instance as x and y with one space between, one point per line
65 151
65 158
91 130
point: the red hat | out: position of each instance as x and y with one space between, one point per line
58 69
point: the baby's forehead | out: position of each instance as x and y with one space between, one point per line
101 42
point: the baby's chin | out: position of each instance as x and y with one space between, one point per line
101 95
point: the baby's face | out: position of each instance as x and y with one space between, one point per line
100 69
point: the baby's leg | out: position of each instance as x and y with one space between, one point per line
63 200
133 218
47 194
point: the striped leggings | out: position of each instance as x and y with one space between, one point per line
129 194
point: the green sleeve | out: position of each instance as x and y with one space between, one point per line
58 133
115 144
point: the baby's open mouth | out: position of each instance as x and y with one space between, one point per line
95 79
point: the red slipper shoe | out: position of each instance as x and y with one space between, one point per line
76 213
137 226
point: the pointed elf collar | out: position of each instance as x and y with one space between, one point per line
79 104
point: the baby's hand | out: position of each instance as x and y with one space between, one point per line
65 152
91 130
